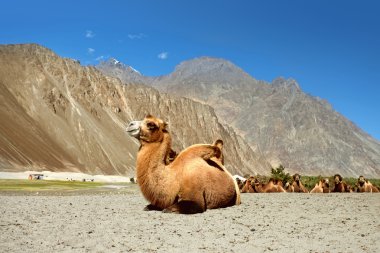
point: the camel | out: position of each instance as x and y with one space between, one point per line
196 180
340 186
254 186
289 187
365 186
274 185
297 184
349 188
240 181
321 187
248 186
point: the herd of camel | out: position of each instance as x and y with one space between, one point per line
253 185
193 180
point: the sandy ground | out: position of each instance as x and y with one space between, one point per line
49 175
113 221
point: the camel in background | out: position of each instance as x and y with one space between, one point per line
297 184
365 186
339 184
322 186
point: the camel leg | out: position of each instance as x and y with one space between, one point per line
185 207
151 207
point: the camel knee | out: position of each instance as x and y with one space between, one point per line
185 207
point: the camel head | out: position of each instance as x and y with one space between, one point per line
253 180
150 129
296 177
361 181
337 178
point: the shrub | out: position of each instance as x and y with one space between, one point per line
279 174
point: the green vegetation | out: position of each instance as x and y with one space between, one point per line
44 185
279 174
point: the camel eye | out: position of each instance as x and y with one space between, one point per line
151 126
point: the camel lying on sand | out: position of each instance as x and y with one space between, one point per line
273 185
194 181
240 181
340 185
297 184
253 185
365 186
289 187
248 186
322 186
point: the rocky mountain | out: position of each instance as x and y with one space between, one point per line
289 127
118 69
58 115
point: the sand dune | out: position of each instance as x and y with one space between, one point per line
113 221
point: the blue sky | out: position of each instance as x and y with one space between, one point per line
331 47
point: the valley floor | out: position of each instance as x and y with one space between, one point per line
113 221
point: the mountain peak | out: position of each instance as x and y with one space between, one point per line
210 69
114 63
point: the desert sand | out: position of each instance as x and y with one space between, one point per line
112 220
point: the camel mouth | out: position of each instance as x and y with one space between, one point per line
133 129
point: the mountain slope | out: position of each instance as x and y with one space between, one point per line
289 127
60 116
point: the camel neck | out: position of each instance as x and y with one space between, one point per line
152 156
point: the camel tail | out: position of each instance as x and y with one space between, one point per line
237 190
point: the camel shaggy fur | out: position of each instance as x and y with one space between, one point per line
322 186
194 181
297 184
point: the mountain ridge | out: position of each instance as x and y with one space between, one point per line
58 115
292 128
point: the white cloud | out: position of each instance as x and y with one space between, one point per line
163 55
90 50
136 36
90 34
99 58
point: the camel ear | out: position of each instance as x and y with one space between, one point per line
165 126
218 143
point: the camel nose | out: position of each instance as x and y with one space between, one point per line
134 128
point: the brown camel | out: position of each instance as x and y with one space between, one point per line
240 183
248 186
289 187
272 186
349 188
340 185
366 186
297 184
194 181
322 186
